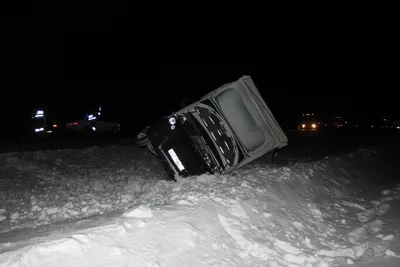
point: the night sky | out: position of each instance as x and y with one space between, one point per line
72 68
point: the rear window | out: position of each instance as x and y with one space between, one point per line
240 119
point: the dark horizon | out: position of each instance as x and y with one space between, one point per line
141 102
85 64
142 99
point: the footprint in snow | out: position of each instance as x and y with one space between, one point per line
374 227
140 212
237 211
357 235
360 234
386 192
382 200
371 213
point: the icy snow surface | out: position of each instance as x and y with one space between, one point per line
111 207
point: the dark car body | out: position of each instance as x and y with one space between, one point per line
223 131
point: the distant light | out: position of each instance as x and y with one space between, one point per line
40 112
38 115
303 126
314 125
75 123
55 125
98 113
50 131
91 117
398 127
94 128
172 127
39 130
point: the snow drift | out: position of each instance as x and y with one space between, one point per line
109 207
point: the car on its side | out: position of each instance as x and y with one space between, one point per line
223 131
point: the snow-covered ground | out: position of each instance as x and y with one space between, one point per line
111 207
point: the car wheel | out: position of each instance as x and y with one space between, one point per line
141 138
142 142
151 148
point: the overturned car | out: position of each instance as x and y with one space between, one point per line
223 131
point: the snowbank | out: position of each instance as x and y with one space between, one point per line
40 188
306 214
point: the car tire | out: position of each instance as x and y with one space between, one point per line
151 148
142 142
141 138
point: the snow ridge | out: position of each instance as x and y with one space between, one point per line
304 215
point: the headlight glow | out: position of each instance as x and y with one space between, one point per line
314 125
172 120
